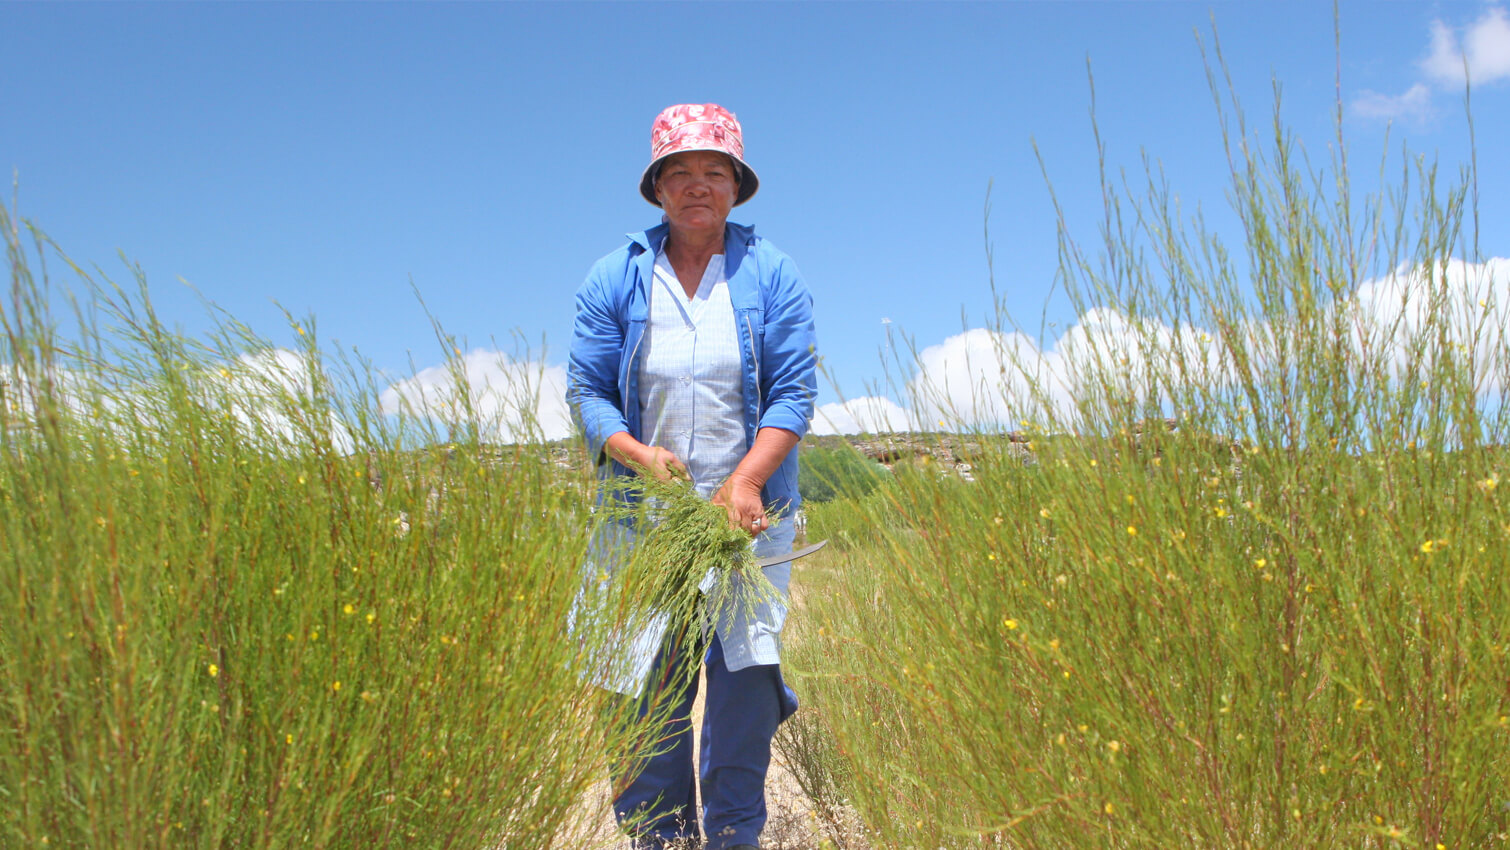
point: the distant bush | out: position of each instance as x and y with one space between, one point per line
828 474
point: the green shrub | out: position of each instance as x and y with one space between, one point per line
826 474
1281 624
243 608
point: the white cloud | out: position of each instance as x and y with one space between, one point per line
982 378
21 393
1484 51
986 378
272 394
1470 300
1413 105
1481 49
513 400
868 415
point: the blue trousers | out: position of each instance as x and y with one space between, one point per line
740 716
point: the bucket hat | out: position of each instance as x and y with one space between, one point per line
697 127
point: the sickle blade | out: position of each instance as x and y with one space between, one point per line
773 560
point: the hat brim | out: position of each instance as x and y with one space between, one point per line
749 183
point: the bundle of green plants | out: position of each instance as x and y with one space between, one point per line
686 557
244 605
1249 591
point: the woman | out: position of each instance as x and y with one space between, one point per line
693 354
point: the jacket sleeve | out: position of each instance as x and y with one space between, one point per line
597 348
789 354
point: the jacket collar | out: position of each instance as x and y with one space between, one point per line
738 240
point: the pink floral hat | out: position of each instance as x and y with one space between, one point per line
697 127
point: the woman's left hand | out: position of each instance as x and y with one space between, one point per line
740 498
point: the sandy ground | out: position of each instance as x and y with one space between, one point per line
791 824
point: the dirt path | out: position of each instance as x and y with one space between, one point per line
790 824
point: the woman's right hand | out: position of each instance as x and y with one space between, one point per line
661 464
664 466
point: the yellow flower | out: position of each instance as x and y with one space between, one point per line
1131 531
1043 512
336 685
1488 484
1428 546
1114 746
1109 808
371 615
1009 623
1260 563
288 739
214 671
1220 512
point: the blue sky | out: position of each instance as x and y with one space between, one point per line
324 156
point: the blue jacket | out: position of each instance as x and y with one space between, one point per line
774 315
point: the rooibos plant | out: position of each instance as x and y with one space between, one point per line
1249 594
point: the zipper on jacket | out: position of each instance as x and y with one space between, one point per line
754 358
629 368
628 365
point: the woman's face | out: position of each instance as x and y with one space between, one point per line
697 189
